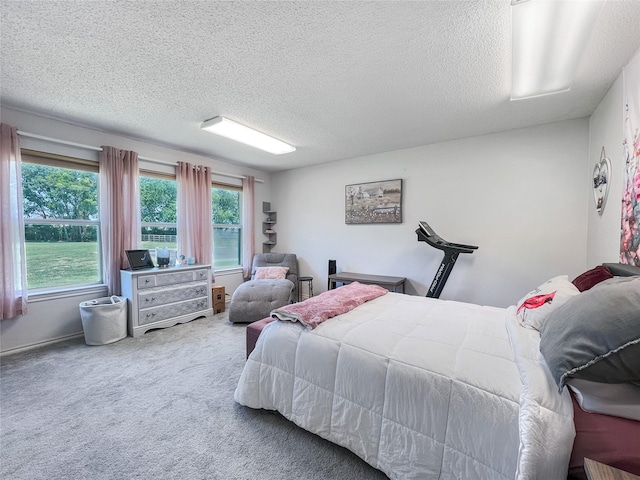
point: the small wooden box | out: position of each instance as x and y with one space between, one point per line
218 297
217 292
218 307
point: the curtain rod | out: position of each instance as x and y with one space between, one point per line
140 157
55 140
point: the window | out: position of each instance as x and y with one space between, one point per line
227 227
158 194
62 225
62 229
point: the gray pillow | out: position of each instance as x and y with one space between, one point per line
596 335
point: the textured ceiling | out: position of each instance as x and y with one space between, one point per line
337 79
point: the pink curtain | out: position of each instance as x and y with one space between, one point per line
194 218
13 300
119 211
248 225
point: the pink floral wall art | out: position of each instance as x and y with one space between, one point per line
630 236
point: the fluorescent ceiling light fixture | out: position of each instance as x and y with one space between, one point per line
230 129
548 39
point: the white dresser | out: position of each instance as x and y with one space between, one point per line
163 297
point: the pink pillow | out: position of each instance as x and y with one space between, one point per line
263 273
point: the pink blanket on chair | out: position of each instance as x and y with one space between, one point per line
315 310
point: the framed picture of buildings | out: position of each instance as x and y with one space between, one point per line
373 202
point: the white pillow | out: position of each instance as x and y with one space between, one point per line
533 308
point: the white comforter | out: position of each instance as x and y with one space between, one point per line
419 388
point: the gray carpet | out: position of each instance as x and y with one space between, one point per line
159 406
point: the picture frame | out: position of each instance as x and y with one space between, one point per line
373 202
139 259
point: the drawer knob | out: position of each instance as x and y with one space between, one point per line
146 280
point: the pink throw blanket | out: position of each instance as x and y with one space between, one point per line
315 310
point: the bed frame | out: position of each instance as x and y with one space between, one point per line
610 440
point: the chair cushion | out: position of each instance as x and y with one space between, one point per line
256 299
289 260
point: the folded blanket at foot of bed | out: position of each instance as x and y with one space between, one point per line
315 310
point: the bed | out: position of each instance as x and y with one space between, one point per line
419 387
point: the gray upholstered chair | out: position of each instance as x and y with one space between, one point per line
255 299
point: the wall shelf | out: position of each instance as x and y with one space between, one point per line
267 227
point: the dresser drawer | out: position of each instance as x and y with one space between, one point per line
156 314
146 281
202 274
174 277
152 297
171 277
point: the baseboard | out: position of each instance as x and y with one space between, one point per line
41 344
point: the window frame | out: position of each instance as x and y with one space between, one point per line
216 185
47 159
238 226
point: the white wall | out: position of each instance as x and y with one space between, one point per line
53 317
523 196
518 195
606 130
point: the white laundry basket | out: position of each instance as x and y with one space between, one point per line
104 320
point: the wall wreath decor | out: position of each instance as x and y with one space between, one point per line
601 179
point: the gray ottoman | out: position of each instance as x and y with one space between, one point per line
256 299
